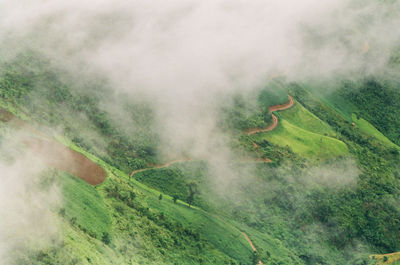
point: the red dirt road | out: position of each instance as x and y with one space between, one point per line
269 128
252 246
274 118
287 105
282 106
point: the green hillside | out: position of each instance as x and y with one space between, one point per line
303 142
303 118
327 195
369 129
305 134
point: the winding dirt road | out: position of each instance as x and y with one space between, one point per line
279 107
66 159
287 105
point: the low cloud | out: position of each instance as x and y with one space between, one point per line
185 58
27 207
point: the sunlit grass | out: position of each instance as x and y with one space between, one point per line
304 142
303 118
369 129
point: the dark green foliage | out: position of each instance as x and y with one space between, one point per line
193 190
54 97
255 258
106 238
378 102
313 223
242 115
174 179
359 212
276 92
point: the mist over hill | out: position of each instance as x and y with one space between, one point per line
209 119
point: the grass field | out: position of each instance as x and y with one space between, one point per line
83 203
269 249
369 129
223 236
303 118
305 134
386 259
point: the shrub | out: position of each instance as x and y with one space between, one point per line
106 238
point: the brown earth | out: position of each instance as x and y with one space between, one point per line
274 118
63 158
267 129
287 105
55 154
5 116
252 245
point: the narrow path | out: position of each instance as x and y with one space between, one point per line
159 166
252 245
77 164
287 105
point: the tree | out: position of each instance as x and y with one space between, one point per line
193 190
106 238
62 212
255 258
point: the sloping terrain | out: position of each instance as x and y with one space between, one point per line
55 154
327 197
369 129
386 259
305 134
279 107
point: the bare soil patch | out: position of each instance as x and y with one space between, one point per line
57 155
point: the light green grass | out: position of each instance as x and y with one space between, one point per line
225 237
83 202
271 250
219 233
391 258
369 129
304 142
303 118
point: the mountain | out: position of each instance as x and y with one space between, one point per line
317 184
